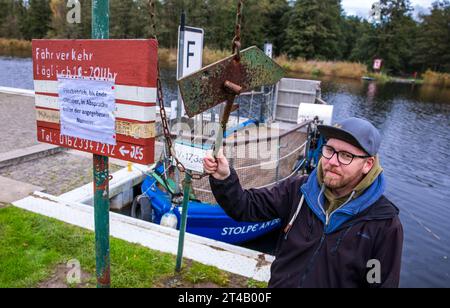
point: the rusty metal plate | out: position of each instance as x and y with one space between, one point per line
205 89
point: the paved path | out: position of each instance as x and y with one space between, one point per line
12 190
57 174
17 122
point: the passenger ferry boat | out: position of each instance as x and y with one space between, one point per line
263 153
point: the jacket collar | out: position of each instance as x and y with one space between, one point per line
350 210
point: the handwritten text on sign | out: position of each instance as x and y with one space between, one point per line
87 108
190 157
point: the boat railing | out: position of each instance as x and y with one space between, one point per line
255 168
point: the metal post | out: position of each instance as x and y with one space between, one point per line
187 190
180 75
263 110
277 170
180 62
100 30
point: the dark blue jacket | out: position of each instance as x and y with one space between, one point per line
359 245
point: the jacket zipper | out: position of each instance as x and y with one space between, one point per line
328 217
322 239
311 261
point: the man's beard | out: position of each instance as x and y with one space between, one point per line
336 181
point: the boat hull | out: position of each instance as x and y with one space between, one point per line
206 220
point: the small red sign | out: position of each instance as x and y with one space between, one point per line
377 63
132 64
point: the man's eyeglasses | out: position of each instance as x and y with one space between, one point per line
345 158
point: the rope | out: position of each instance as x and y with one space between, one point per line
272 161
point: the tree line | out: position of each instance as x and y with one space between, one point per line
308 29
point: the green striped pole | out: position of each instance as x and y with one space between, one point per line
100 30
187 187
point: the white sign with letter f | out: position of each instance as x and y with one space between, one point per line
193 50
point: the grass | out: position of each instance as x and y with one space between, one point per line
380 77
339 69
436 79
198 273
168 57
15 48
32 247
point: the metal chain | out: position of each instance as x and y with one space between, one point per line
236 47
167 136
153 19
160 97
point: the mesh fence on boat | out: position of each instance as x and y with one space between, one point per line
261 155
261 161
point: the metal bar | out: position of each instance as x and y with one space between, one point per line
100 30
288 106
223 127
264 139
187 190
297 92
251 93
188 178
180 64
321 101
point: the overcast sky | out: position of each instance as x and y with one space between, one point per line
362 7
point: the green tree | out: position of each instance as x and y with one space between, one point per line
314 30
277 19
5 10
121 16
352 29
366 44
38 19
396 35
12 18
61 28
432 47
169 15
219 27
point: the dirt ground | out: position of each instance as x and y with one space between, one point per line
177 281
59 280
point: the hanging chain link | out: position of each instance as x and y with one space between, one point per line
236 47
160 97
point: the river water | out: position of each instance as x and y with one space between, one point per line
415 124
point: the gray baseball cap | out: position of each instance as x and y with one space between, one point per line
358 132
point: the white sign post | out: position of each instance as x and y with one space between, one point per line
192 51
189 61
268 49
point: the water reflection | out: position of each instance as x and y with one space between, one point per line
414 121
415 124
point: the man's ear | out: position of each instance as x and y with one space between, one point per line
368 165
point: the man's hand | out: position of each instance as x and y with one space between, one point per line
219 169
